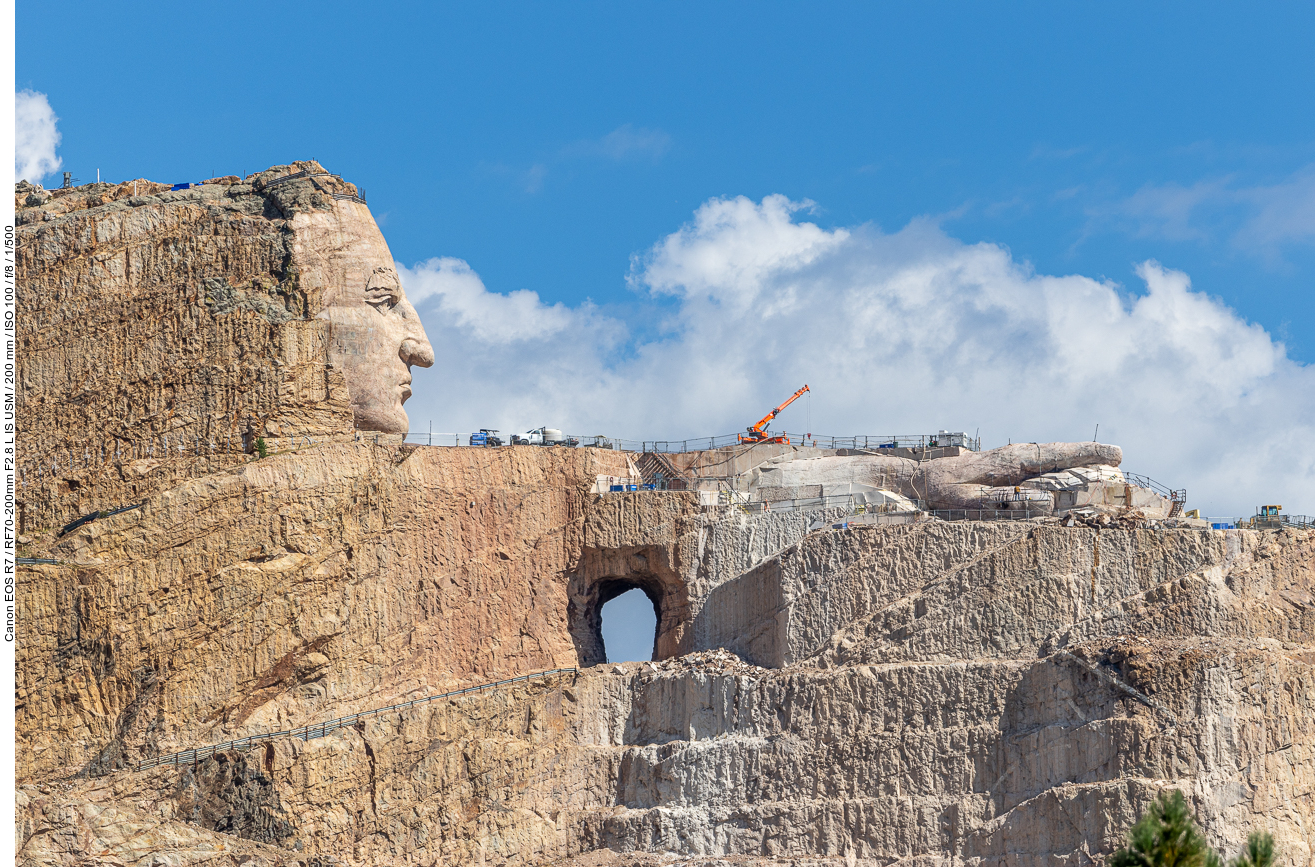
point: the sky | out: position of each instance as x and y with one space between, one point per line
659 220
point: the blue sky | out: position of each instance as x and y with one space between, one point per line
658 220
482 131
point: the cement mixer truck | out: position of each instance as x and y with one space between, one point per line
544 436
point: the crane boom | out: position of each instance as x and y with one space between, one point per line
758 432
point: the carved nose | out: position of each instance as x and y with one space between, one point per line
417 352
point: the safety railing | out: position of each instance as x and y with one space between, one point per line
850 503
295 176
299 175
837 501
1150 484
982 514
1267 522
942 514
1023 495
319 730
874 444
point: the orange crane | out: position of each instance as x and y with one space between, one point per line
758 432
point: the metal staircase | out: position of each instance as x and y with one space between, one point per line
657 470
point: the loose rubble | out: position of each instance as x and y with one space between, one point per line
719 661
1134 519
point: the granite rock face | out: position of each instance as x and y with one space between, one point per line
963 693
160 333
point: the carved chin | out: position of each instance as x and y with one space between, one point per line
383 418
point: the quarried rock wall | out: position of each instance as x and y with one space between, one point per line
963 694
328 579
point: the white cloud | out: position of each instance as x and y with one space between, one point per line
624 142
460 298
1173 211
508 361
1258 219
907 332
35 136
534 177
1283 213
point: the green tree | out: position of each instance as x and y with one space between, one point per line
260 447
1167 836
1259 851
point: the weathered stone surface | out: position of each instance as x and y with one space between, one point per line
993 695
961 481
159 335
966 693
330 578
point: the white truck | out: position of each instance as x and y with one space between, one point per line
544 436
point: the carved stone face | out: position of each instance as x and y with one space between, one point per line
375 342
375 334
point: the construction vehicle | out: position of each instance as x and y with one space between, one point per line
758 432
486 437
1268 518
544 436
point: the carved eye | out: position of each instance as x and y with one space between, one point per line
382 298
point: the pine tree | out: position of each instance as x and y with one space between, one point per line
1166 836
1259 851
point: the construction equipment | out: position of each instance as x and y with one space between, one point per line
544 436
758 432
485 437
1267 518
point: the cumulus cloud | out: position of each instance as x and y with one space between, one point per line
35 136
503 360
460 298
908 332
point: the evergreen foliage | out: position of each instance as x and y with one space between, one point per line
1259 851
1167 836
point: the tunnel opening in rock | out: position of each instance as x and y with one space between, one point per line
627 622
587 630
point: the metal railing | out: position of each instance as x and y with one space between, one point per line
1177 495
319 730
302 174
982 514
942 514
308 175
1269 522
698 444
835 501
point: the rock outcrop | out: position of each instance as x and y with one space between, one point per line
935 693
162 332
